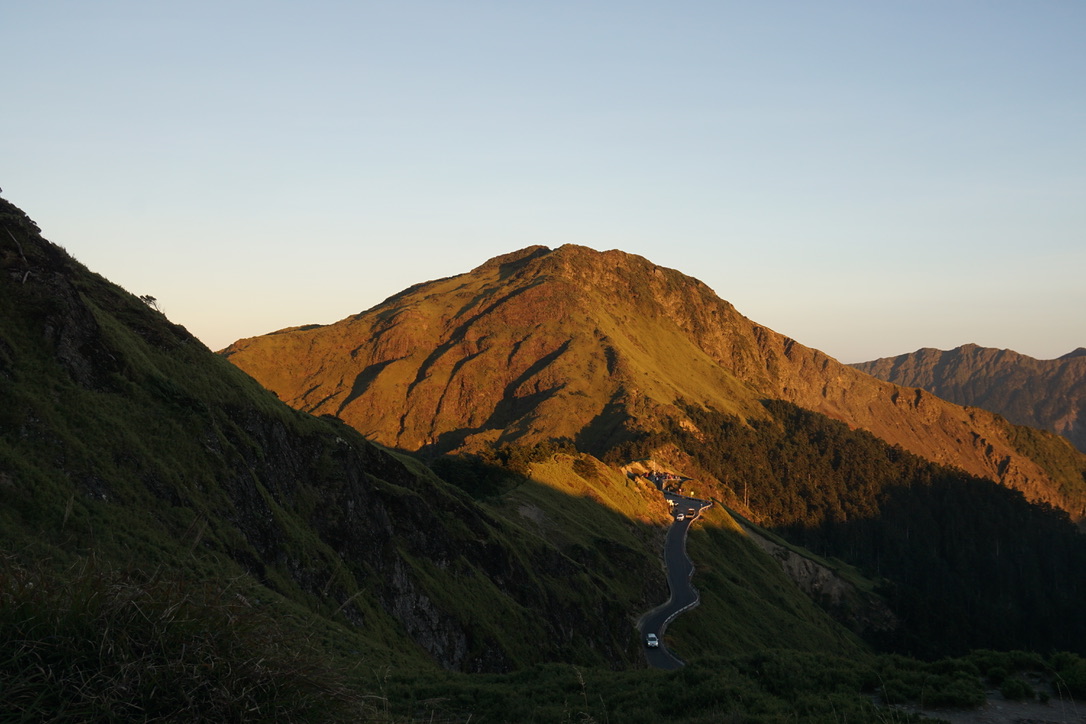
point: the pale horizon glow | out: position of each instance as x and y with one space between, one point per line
866 178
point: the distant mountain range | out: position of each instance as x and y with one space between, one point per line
599 348
1048 394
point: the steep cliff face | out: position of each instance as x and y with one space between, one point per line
123 438
596 347
1047 394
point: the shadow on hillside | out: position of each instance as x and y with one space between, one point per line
962 563
965 564
509 409
749 601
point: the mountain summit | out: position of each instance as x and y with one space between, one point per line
532 345
599 348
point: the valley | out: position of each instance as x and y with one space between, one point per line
438 509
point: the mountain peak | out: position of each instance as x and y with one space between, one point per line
515 258
595 347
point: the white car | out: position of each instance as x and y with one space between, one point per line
652 642
680 516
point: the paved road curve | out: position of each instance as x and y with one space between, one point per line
679 570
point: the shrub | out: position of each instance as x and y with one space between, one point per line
1071 672
1016 689
955 667
964 692
899 691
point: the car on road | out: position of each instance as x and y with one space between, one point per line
680 516
652 642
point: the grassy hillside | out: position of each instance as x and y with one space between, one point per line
599 348
144 479
585 508
126 441
746 599
518 350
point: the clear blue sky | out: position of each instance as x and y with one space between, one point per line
867 177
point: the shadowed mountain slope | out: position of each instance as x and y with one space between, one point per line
125 440
599 347
1047 394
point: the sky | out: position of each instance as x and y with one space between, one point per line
867 177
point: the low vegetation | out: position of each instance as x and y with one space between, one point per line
96 644
93 644
769 686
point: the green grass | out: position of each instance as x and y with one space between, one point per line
1057 457
843 570
768 686
747 602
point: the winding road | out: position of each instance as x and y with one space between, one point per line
679 569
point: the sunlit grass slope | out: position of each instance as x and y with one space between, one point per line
599 348
524 348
